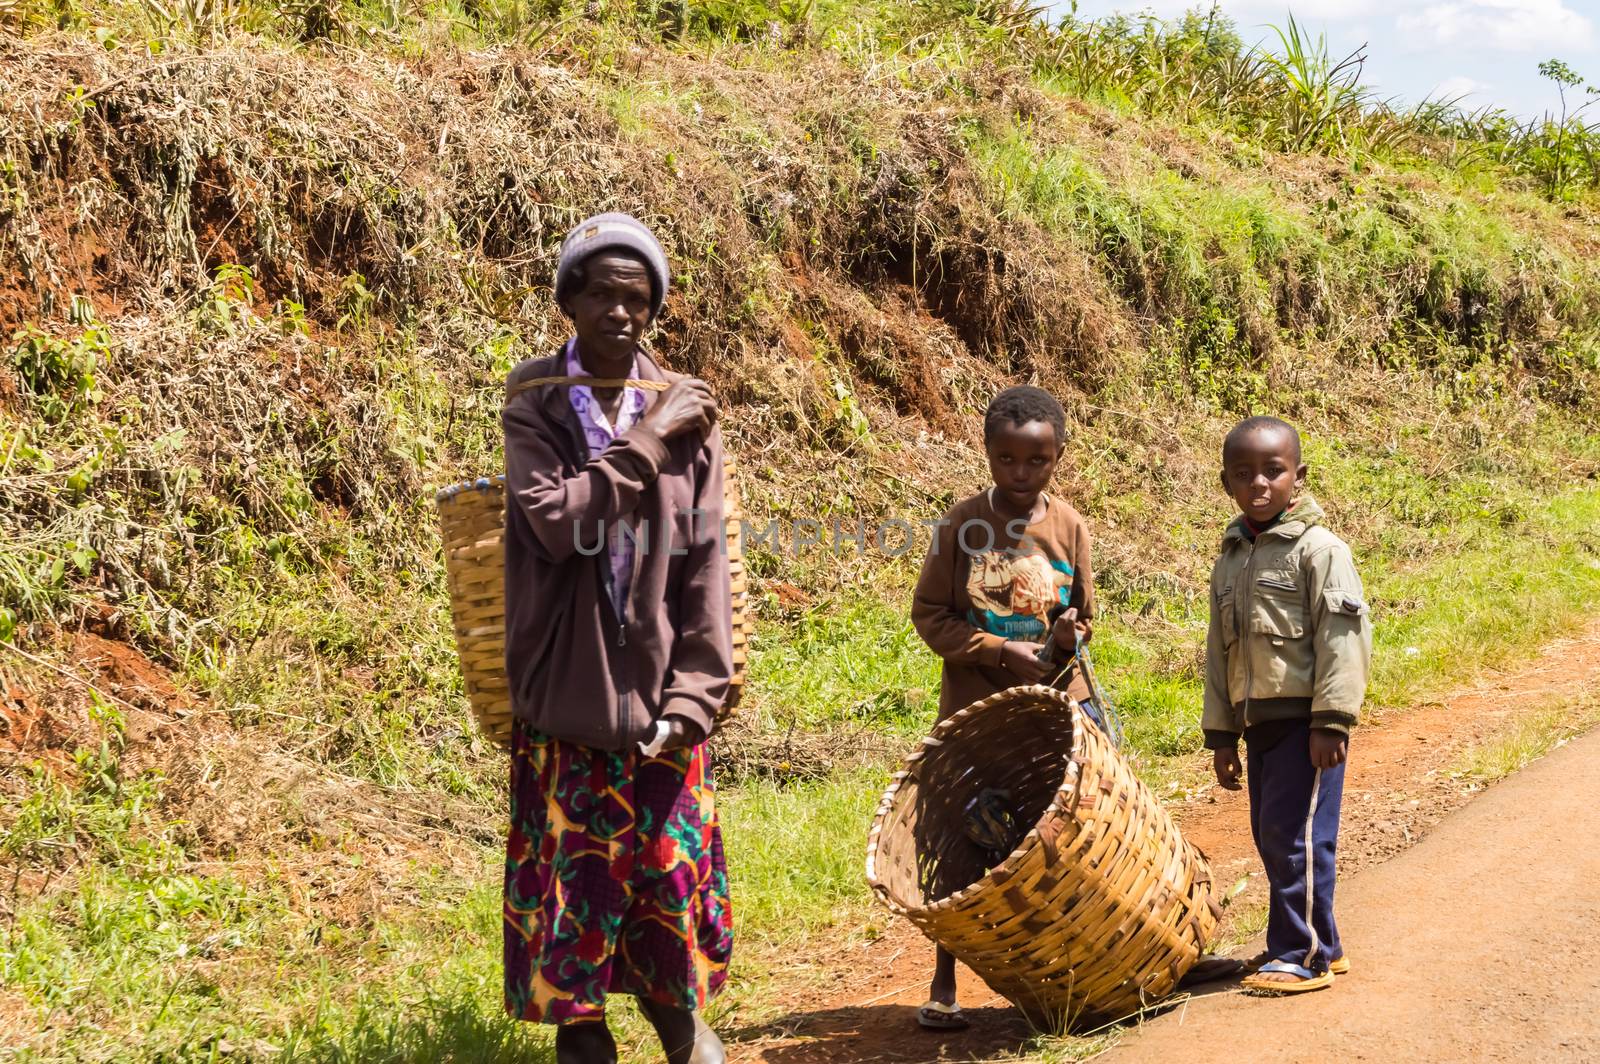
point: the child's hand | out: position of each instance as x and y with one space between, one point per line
1225 763
1327 748
1022 661
1068 631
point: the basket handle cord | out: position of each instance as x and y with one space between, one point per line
592 382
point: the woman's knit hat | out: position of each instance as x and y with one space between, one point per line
613 232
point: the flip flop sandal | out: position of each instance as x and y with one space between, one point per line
1338 967
1308 980
937 1016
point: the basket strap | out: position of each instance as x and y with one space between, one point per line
593 382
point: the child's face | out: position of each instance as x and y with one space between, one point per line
612 310
1022 459
1263 473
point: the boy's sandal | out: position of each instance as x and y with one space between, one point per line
1337 967
1305 979
937 1016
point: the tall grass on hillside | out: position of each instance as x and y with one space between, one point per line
1287 91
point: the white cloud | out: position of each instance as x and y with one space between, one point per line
1457 87
1248 13
1306 12
1316 10
1501 25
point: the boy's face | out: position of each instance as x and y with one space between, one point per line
612 310
1263 473
1022 459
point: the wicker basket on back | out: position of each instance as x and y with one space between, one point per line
472 520
1097 910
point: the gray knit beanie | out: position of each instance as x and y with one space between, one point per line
613 232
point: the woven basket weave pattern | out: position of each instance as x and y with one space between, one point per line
472 525
1102 906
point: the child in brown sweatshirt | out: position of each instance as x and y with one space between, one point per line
1000 562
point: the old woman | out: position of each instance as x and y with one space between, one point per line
619 653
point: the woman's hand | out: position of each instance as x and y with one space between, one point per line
687 406
681 734
1022 661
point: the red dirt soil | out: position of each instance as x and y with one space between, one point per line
1397 787
46 721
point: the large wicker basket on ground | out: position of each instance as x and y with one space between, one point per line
472 525
1100 907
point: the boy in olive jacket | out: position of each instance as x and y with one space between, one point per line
1287 658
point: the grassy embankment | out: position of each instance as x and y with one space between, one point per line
252 329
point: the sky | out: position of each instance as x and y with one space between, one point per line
1487 51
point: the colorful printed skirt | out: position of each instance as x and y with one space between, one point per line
615 880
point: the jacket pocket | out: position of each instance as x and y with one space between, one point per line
1278 608
1346 604
1228 616
1281 663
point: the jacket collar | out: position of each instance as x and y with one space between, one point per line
552 401
1306 514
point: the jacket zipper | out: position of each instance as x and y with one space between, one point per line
1243 619
641 544
581 442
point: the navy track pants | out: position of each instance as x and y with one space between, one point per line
1294 817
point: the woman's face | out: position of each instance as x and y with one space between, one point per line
612 310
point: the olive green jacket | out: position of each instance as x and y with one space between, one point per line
1290 635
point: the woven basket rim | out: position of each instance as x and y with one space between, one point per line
1005 869
483 483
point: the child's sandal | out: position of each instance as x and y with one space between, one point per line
1337 967
937 1016
1306 979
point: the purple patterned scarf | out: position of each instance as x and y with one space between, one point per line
599 433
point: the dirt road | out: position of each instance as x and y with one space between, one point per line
1474 945
1397 788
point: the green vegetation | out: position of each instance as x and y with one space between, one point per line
1529 739
263 266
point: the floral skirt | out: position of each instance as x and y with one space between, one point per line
615 880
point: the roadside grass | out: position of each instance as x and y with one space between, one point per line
849 662
226 963
1527 740
1051 1048
1508 589
1245 922
131 946
363 677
